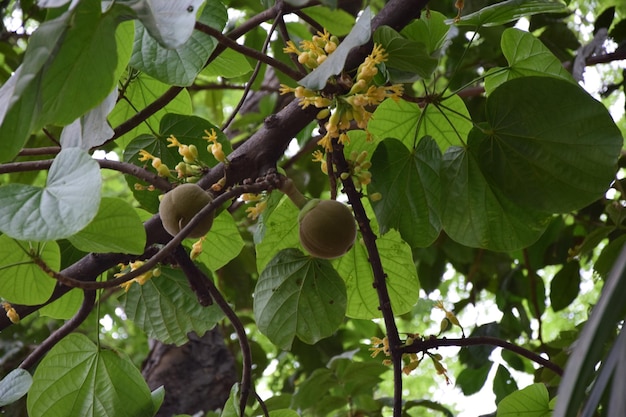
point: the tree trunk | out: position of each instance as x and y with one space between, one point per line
197 376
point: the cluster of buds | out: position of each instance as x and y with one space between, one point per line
261 204
214 147
354 107
359 167
162 169
12 315
141 279
312 53
449 319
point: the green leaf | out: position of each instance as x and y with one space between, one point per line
297 295
503 383
333 65
65 307
447 121
280 231
396 119
471 380
402 282
565 286
231 408
477 214
14 386
76 378
158 396
116 228
285 412
223 244
21 281
170 23
526 56
431 29
142 91
405 54
542 159
532 401
178 66
188 130
67 69
228 64
507 11
337 22
410 188
167 309
67 203
92 129
308 392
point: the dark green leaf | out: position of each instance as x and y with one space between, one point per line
409 184
67 203
65 307
404 54
471 380
478 215
565 286
507 11
297 295
178 66
167 309
76 378
503 383
430 29
315 386
526 56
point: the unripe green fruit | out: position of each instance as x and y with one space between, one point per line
180 205
327 228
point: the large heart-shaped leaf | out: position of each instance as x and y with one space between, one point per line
67 203
526 56
171 23
477 214
178 66
402 283
167 309
116 228
409 184
532 401
76 378
297 295
21 280
543 159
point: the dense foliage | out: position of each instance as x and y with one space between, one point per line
484 182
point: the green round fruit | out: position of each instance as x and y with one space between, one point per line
327 228
180 205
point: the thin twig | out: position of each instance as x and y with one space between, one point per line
255 73
252 53
433 343
67 328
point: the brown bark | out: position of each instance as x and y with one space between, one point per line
197 376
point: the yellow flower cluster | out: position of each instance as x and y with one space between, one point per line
162 169
141 279
12 315
355 106
312 53
261 204
214 147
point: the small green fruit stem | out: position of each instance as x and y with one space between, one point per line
296 197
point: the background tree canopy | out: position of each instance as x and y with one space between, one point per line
476 149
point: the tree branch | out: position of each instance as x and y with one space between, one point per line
433 343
